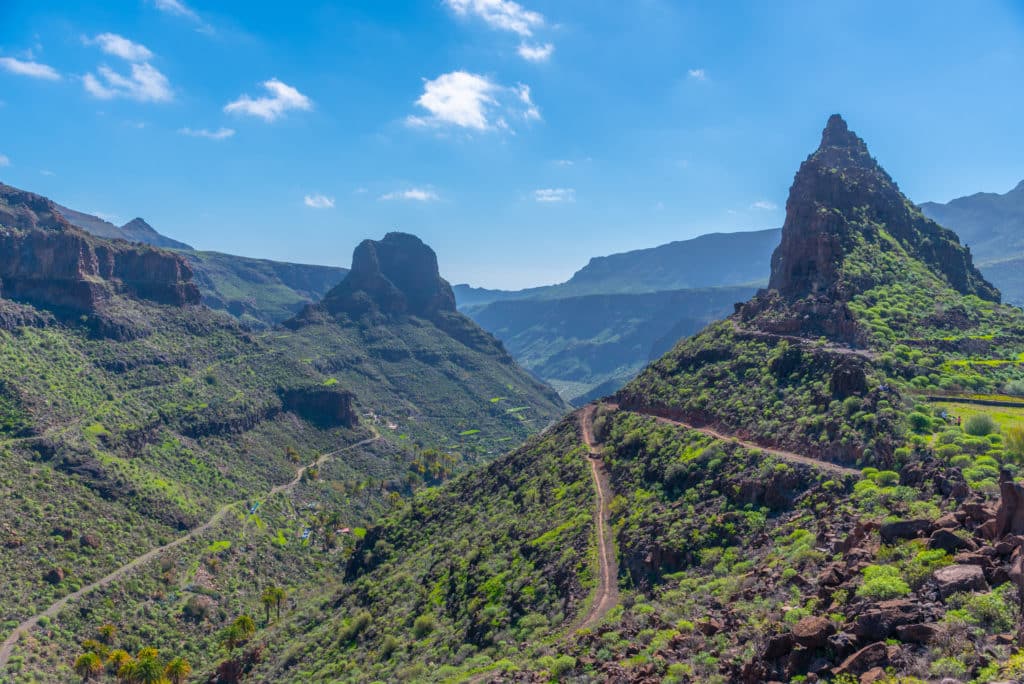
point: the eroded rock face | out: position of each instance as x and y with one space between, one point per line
323 406
47 262
396 275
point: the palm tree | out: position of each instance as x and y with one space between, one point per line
117 659
267 599
178 670
148 669
230 637
273 595
246 626
88 665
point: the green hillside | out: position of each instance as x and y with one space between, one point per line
808 490
139 424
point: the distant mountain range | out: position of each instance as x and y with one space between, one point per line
993 226
591 334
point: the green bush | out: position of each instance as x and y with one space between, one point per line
423 626
980 425
882 582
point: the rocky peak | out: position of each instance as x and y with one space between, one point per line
396 275
841 198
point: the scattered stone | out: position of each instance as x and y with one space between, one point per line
90 541
957 578
875 674
946 522
710 627
813 631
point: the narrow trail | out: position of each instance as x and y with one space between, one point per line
831 347
607 594
7 648
778 453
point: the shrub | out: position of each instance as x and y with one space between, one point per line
920 423
423 626
980 425
882 582
1015 388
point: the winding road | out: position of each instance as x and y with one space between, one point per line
778 453
607 594
7 648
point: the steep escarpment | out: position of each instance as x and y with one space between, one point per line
47 261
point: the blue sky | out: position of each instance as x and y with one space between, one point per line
517 138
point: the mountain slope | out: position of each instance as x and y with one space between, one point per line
992 224
259 292
130 415
751 559
591 345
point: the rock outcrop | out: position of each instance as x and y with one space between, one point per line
841 199
47 262
394 276
841 195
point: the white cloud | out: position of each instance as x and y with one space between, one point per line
144 84
764 205
180 9
5 160
467 100
317 201
697 74
563 162
176 8
413 194
555 195
219 134
31 69
283 98
47 172
535 53
504 15
119 46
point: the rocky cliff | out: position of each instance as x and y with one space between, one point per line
394 276
841 196
46 261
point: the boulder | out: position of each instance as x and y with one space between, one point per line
871 656
904 529
813 631
778 646
89 541
54 576
953 579
921 633
1010 514
881 620
949 542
